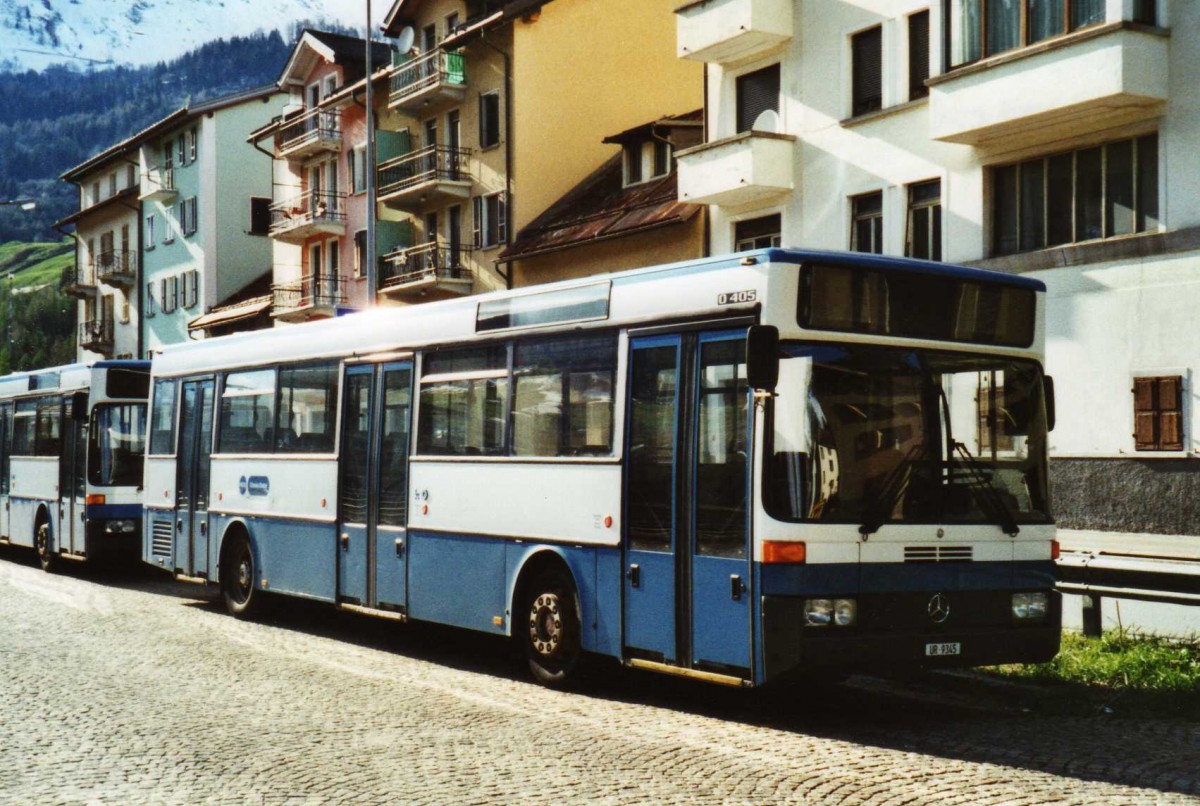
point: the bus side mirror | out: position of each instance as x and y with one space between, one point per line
1048 393
79 406
762 357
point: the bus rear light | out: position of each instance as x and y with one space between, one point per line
1055 550
95 499
780 552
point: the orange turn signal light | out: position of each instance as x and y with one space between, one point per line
1055 550
778 552
95 498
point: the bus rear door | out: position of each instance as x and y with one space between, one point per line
373 486
72 475
687 565
194 471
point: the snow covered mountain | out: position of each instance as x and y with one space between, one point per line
37 33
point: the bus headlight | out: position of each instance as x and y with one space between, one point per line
119 527
823 612
1029 606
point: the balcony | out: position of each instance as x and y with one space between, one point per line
118 267
158 184
428 81
417 271
313 213
751 168
79 281
1085 82
432 175
96 336
312 133
731 31
310 297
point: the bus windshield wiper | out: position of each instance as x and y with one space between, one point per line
985 492
893 487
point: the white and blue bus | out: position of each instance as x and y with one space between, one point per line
735 469
71 458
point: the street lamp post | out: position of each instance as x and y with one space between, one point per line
24 204
370 156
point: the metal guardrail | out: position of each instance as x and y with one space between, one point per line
429 70
308 208
424 262
310 291
96 335
317 125
116 266
429 164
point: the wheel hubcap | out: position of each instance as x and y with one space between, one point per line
545 624
243 575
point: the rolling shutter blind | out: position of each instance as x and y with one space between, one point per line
918 55
867 50
756 93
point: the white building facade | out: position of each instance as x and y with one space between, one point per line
1046 137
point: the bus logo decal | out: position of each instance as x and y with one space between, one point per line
254 485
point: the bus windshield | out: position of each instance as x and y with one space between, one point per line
871 435
117 444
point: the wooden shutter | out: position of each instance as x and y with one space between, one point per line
1170 413
1144 414
756 93
867 53
477 216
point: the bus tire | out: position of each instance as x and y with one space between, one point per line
238 572
549 629
41 544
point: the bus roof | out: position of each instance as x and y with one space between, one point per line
65 377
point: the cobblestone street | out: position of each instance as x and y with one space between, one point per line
129 688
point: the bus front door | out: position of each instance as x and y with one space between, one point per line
72 481
687 565
373 487
195 461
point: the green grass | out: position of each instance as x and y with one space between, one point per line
1119 672
35 264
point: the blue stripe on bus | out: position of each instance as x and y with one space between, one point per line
293 556
835 578
112 511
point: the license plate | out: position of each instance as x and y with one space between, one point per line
941 650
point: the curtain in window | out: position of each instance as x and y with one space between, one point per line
965 18
1003 25
1046 19
1086 12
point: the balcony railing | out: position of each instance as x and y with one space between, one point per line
96 335
79 281
417 171
433 76
310 294
118 266
159 183
318 130
309 213
424 266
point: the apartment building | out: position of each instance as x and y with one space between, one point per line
105 274
1047 138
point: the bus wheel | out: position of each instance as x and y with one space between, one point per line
237 580
550 631
41 544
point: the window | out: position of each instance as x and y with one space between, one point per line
130 175
162 418
980 28
563 396
489 119
329 86
170 294
181 150
451 23
191 143
1145 12
247 412
866 224
150 304
757 92
260 215
918 55
187 216
491 226
96 192
429 39
170 226
633 163
924 238
758 233
116 444
464 395
360 253
866 51
1083 195
191 288
358 168
112 184
307 409
662 158
1158 413
24 437
37 427
149 233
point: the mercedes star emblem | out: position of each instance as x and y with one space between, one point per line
938 608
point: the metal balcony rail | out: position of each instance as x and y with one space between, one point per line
432 163
162 176
427 261
426 71
319 124
310 291
118 264
311 207
78 278
97 333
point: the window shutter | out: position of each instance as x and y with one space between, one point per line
477 222
501 218
918 55
1144 414
1170 414
756 93
867 52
